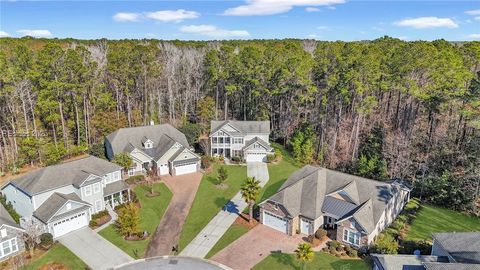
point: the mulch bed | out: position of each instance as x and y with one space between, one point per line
242 220
54 266
154 194
102 220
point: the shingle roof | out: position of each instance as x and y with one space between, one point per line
114 187
451 266
464 247
244 127
122 140
68 173
163 145
6 219
48 208
258 140
403 262
305 191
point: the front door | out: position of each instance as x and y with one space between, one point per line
305 226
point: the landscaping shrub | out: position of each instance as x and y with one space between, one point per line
385 244
92 223
46 239
206 162
352 253
221 158
408 247
100 214
236 159
135 179
270 158
340 249
332 250
334 244
278 154
321 233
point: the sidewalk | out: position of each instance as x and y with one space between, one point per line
209 236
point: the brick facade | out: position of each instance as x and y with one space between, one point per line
346 224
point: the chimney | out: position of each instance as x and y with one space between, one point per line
152 123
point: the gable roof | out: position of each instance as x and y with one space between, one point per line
6 219
245 127
464 247
305 193
69 173
451 266
404 262
125 139
50 207
259 141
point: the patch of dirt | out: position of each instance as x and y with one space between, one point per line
222 186
242 220
154 194
53 266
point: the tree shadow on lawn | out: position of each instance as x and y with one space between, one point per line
284 259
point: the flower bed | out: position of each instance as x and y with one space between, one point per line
99 219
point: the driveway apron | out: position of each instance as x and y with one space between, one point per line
209 236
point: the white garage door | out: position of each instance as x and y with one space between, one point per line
69 224
275 222
184 169
256 157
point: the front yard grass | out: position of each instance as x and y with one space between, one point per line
279 261
151 212
278 174
431 219
210 199
57 254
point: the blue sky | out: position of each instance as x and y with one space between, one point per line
247 19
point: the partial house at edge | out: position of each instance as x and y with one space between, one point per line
11 242
161 148
312 198
450 251
62 198
247 139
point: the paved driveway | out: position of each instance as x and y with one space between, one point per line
254 246
94 250
209 236
172 263
184 188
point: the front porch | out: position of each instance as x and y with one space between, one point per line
116 193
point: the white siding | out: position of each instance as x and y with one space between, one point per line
140 156
42 197
20 201
186 154
251 136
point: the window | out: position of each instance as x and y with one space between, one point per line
117 176
220 140
215 151
227 140
88 190
131 172
96 188
351 237
238 140
214 139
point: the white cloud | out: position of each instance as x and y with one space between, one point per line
4 34
312 9
477 18
270 7
39 33
331 7
474 36
213 31
126 17
473 12
427 22
172 15
323 27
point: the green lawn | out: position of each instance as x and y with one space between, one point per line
209 200
278 173
431 219
151 213
60 254
323 261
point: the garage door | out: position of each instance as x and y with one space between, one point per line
69 224
256 157
275 222
184 169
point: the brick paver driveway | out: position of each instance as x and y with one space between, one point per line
168 231
254 246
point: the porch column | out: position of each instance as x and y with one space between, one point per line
121 197
128 191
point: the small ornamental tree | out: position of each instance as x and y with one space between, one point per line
222 175
385 244
304 253
31 236
250 190
124 160
128 222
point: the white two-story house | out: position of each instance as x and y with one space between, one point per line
63 197
161 148
247 139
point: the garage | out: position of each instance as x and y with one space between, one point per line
275 222
69 224
185 168
255 157
305 226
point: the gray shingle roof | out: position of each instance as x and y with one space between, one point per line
244 127
114 187
451 266
6 219
122 140
258 140
68 173
159 149
305 190
464 247
403 262
48 208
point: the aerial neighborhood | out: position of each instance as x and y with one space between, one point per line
240 135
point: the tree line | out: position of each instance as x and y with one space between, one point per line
383 109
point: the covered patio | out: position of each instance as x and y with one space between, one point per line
116 193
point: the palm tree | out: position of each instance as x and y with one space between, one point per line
250 190
304 253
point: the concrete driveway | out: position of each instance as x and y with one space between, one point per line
259 170
93 249
245 252
172 263
184 188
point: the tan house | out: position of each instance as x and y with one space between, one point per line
358 209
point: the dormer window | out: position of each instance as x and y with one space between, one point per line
148 144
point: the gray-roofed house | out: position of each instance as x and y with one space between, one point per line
404 262
11 242
459 247
313 197
161 148
63 197
247 139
